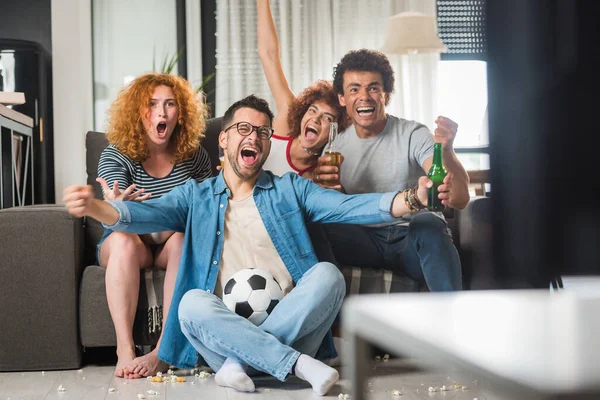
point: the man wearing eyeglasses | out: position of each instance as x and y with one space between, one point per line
248 218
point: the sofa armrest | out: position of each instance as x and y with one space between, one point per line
476 243
41 250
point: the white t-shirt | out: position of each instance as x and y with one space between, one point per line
279 161
247 244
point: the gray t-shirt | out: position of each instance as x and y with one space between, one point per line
392 160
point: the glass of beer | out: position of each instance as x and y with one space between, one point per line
221 156
333 153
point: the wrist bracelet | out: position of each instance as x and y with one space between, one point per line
419 204
406 200
409 201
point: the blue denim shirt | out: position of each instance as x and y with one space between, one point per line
285 205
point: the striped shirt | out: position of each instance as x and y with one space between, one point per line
115 166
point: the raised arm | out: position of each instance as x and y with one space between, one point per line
269 53
456 188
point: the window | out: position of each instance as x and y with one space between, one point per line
462 92
128 39
462 96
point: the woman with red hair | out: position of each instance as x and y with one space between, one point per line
155 128
302 122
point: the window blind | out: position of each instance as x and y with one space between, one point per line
461 26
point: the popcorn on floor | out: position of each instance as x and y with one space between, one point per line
396 393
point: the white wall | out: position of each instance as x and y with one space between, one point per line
72 90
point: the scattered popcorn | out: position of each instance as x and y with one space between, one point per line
444 388
180 379
464 388
377 358
433 389
396 393
111 390
475 398
170 371
159 373
148 378
203 375
386 357
193 383
153 392
141 396
267 390
60 388
156 379
457 386
343 396
80 371
43 372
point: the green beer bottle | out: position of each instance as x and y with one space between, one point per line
437 173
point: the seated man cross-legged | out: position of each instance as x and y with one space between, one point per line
249 218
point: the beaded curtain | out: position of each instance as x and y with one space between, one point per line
314 35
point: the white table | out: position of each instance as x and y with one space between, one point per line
529 343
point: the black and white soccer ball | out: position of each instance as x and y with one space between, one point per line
252 293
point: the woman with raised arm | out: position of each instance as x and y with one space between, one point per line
154 133
302 122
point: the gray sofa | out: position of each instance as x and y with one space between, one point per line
53 296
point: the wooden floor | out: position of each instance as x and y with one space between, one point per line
94 383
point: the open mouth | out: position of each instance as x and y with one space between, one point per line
249 155
365 111
311 133
161 128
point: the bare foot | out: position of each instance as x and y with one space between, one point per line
146 365
125 357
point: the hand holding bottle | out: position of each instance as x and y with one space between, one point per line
327 172
445 190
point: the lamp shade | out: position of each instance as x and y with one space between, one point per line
412 32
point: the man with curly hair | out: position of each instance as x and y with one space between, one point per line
302 122
247 217
383 153
154 133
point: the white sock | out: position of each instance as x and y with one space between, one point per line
320 376
232 375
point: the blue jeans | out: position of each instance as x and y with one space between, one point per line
296 326
423 250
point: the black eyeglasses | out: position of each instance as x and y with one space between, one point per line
246 128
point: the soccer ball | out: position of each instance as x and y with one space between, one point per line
252 293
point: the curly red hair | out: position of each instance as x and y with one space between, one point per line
126 128
323 91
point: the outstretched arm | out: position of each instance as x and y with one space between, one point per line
80 202
268 51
